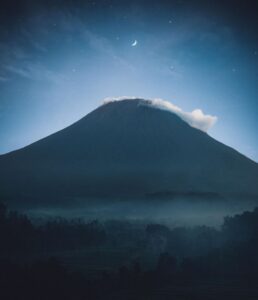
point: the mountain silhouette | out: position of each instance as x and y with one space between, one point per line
127 148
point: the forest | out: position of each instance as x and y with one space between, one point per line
78 259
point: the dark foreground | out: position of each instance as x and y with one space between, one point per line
61 259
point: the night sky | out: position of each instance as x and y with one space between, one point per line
60 59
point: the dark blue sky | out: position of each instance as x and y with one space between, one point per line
60 59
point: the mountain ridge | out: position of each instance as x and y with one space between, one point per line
125 148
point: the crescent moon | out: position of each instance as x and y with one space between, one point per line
134 43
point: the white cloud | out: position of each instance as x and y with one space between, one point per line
196 118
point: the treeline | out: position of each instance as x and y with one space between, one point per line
182 257
18 235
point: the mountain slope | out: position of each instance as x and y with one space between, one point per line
127 148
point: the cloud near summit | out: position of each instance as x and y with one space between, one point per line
196 118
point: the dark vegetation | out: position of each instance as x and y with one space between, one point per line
157 262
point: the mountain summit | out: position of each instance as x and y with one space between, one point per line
127 148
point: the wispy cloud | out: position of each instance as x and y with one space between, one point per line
104 46
3 79
196 118
37 72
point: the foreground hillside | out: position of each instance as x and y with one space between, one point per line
61 259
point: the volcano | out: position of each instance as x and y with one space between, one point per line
127 148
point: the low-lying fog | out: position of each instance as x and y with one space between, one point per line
176 212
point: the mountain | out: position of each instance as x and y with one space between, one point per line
127 148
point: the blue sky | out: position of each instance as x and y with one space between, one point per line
59 63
